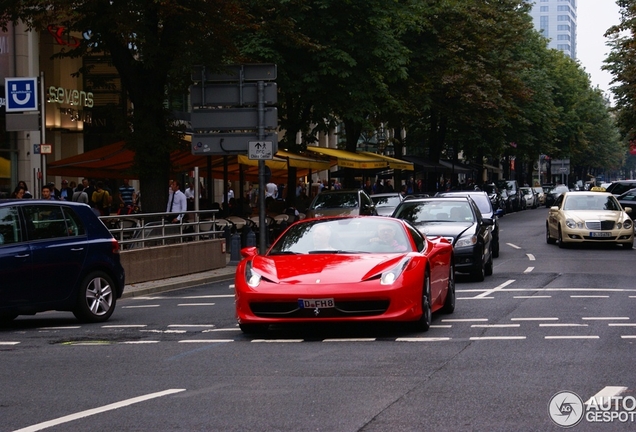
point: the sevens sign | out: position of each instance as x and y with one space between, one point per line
57 33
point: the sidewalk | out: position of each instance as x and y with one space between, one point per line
157 286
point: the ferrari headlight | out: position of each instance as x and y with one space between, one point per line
466 241
252 278
390 276
572 224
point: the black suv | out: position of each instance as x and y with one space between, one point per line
620 187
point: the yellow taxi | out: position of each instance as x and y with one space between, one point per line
589 217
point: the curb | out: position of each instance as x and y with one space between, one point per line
186 281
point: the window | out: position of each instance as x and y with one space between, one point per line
563 27
544 9
564 47
563 18
563 37
9 226
52 221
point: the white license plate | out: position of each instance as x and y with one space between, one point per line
600 234
325 303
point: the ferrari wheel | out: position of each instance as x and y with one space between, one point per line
424 322
548 239
253 328
449 303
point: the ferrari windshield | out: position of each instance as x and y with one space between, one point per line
343 235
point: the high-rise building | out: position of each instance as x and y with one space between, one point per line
556 19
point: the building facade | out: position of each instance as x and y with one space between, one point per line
556 20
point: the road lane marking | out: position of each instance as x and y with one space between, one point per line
277 340
139 306
191 325
221 330
628 336
607 393
206 340
196 304
513 246
562 325
531 297
440 326
497 338
495 325
125 326
90 412
604 318
495 289
530 257
208 296
474 298
350 340
139 342
621 324
465 320
9 343
60 328
534 319
588 296
422 339
571 337
528 270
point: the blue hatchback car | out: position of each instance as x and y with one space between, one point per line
57 255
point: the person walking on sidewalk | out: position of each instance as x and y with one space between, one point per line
177 204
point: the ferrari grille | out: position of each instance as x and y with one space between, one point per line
342 309
606 225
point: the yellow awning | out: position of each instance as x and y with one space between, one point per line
393 162
276 163
348 159
300 161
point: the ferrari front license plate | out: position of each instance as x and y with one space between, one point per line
316 303
600 234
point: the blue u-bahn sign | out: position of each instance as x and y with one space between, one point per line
21 94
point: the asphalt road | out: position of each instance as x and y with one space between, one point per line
548 320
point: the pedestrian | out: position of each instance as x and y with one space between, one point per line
66 193
102 199
79 195
127 193
27 194
18 193
46 193
177 204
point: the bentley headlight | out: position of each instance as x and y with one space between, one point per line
466 241
390 276
253 278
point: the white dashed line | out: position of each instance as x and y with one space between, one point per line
563 325
588 296
139 342
221 330
621 325
497 338
531 297
604 318
495 325
139 306
351 340
528 270
9 343
466 320
277 340
513 246
628 336
206 340
209 296
571 337
191 325
441 326
530 257
59 328
125 326
534 319
475 298
422 339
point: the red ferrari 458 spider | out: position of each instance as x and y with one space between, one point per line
367 268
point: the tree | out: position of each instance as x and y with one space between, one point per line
153 45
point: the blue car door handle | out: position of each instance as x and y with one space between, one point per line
22 256
77 249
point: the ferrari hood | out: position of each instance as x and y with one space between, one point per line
329 268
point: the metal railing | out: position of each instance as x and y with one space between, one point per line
140 230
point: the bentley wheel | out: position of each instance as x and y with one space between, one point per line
95 298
